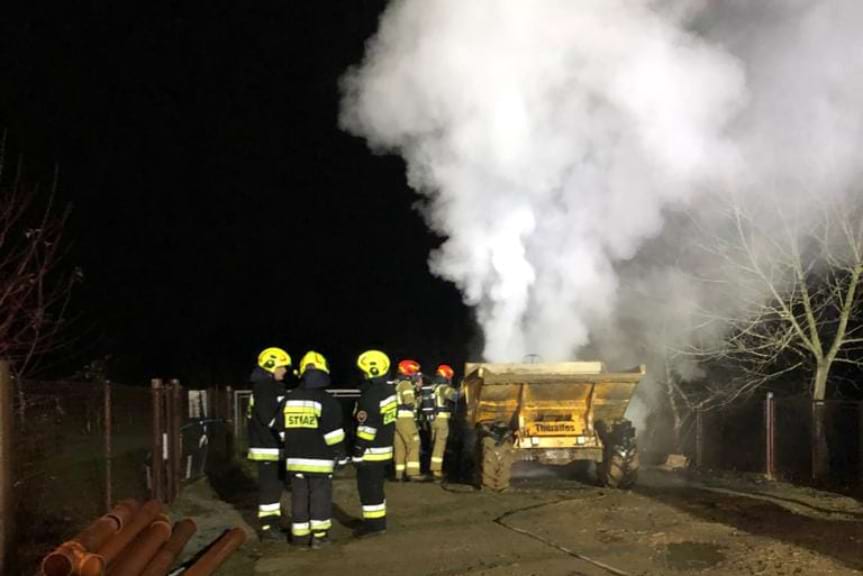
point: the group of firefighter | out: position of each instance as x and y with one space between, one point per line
301 432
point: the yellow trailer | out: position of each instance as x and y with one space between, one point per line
553 414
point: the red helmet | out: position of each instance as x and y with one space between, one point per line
446 371
409 367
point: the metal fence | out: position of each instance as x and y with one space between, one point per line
75 448
775 437
78 446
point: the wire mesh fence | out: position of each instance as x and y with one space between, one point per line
78 446
742 437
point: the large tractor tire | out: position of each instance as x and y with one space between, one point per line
495 465
620 470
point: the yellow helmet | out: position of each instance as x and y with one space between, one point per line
373 363
313 359
273 358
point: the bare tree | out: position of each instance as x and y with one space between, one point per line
787 301
35 287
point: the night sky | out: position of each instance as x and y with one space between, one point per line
217 208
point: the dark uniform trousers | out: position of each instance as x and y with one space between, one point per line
311 506
269 495
370 485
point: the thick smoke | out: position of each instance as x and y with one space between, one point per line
555 141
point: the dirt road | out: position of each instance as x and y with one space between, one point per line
550 526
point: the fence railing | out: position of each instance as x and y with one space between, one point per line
776 437
70 450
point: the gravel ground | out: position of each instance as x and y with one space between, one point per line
549 525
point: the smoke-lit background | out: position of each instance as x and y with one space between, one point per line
566 149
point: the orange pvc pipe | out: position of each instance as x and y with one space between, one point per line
77 556
71 558
136 556
96 534
217 554
124 511
168 554
140 521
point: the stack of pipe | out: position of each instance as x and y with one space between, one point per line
128 541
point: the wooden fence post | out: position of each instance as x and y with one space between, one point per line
156 477
167 440
229 419
229 403
770 436
108 447
176 451
7 501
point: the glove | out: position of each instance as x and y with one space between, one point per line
341 462
359 452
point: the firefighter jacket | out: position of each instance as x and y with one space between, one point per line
426 401
445 397
311 421
406 398
267 395
376 416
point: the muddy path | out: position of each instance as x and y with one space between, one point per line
547 525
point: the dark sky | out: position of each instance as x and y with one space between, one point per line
217 207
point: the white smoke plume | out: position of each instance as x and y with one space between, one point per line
553 139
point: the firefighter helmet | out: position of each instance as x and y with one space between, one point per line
273 358
373 363
409 367
446 371
314 360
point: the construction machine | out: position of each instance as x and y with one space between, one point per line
551 413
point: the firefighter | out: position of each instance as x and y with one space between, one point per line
311 421
426 409
268 391
445 397
407 438
375 417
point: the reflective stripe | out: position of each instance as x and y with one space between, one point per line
375 511
436 459
400 467
413 464
314 465
269 514
443 415
378 454
263 454
406 414
388 400
321 524
367 432
303 407
300 529
334 437
269 507
279 399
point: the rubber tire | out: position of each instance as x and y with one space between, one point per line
621 471
495 465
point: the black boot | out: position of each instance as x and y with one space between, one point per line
271 533
320 540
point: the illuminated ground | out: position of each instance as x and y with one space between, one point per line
547 525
